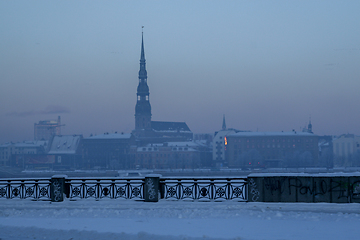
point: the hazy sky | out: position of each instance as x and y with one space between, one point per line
266 65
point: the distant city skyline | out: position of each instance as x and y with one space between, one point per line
268 66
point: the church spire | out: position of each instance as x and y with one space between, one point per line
142 72
310 126
143 107
224 124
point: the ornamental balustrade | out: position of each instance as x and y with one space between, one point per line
105 188
37 189
148 188
204 188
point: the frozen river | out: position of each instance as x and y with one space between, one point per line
129 219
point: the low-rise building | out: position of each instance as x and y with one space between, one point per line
347 150
272 149
66 151
12 152
171 155
108 150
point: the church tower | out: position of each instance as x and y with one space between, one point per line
224 123
310 126
143 107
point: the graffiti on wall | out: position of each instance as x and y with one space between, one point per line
335 189
253 190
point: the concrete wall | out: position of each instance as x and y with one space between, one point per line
329 188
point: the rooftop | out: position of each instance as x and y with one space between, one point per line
170 126
65 144
111 136
268 134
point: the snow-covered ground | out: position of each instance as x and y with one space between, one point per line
175 220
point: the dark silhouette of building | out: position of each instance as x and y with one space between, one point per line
147 131
109 150
272 149
45 130
143 107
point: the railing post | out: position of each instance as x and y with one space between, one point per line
179 191
67 188
113 191
162 188
196 190
8 190
228 189
98 190
151 188
57 188
36 190
212 191
83 189
128 189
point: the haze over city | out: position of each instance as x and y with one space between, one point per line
266 65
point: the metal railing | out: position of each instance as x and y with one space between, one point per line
124 188
36 189
105 188
204 188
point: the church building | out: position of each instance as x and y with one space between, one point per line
148 131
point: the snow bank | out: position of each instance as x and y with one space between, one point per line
129 219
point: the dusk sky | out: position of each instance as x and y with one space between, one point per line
266 65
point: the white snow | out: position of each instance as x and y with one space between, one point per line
175 220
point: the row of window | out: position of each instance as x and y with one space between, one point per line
271 146
163 155
157 149
271 140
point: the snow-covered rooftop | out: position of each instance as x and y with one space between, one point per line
65 144
111 136
190 146
270 134
26 144
160 126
